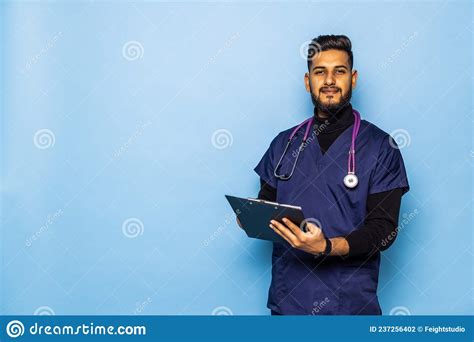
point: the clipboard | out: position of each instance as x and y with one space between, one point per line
255 215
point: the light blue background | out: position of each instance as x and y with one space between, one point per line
133 139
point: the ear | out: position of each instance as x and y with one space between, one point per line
306 82
355 74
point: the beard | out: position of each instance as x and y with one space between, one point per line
332 108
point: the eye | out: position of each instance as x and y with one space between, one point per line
340 71
318 72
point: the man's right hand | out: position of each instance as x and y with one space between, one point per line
238 222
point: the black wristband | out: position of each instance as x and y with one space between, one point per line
328 248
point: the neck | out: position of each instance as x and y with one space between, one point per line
335 121
323 115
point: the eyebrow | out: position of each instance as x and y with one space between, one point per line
337 66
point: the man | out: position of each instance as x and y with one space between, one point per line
332 267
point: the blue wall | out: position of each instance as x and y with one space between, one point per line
123 126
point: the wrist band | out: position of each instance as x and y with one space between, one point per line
328 248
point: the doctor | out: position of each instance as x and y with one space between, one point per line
332 268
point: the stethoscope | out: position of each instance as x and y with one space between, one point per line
350 180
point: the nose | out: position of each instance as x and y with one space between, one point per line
329 81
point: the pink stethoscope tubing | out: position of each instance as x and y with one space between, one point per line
350 180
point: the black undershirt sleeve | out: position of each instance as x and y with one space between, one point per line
380 225
267 192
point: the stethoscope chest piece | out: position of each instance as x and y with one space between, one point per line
351 180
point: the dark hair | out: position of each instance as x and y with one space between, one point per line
330 42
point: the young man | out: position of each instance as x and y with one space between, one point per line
333 266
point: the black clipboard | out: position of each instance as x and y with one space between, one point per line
255 215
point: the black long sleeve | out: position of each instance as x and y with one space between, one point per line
267 192
380 225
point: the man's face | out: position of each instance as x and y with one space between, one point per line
330 80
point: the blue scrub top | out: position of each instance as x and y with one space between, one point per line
303 284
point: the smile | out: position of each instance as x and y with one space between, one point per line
330 91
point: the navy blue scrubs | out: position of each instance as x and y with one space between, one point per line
303 284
